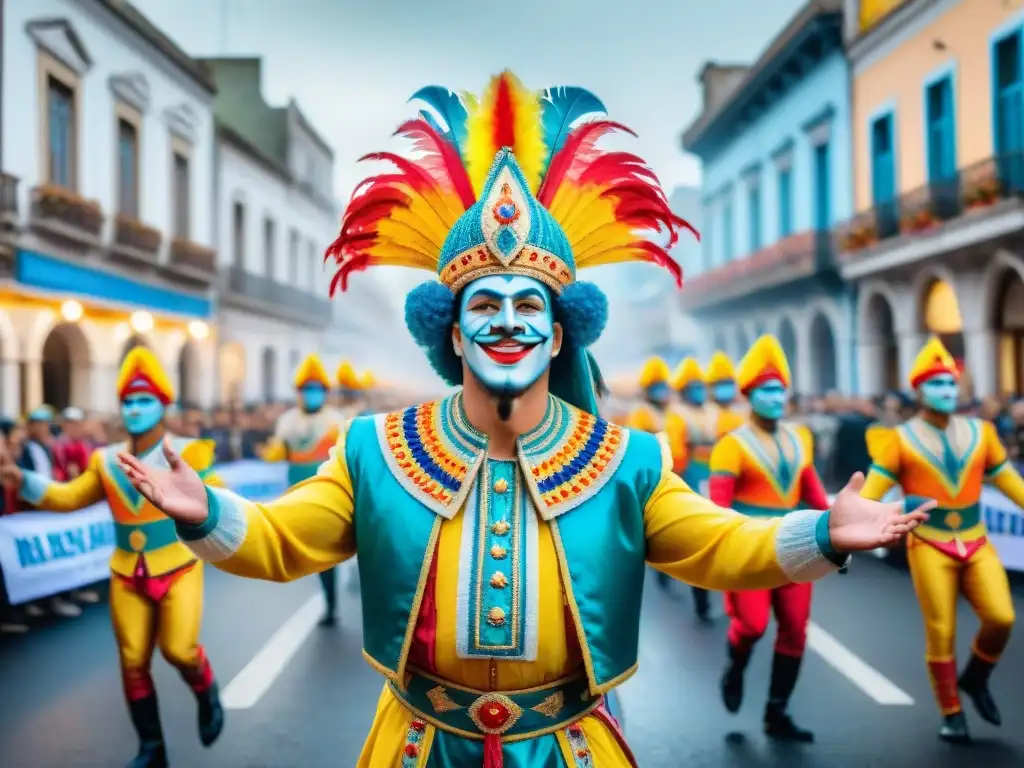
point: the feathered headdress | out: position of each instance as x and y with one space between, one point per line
512 182
764 361
141 372
311 371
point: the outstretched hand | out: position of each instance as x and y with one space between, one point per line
857 524
178 491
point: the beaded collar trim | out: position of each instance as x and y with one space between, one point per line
434 453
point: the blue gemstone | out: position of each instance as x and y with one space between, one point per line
506 241
507 210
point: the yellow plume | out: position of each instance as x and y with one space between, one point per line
764 358
687 373
655 371
311 371
720 369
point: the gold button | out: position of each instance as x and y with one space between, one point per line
498 580
498 552
954 520
496 616
500 528
500 485
137 540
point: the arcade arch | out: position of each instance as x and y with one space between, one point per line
1008 311
823 354
65 367
232 365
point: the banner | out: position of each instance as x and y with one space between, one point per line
45 553
1005 527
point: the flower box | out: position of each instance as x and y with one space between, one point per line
57 203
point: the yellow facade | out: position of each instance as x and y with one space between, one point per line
958 40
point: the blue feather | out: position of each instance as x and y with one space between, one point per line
449 107
561 107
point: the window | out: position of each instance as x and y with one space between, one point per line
785 202
60 113
238 234
1009 95
181 183
293 257
727 234
127 168
941 141
883 176
754 213
269 262
822 188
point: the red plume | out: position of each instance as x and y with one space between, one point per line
504 115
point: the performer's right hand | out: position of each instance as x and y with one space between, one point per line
178 492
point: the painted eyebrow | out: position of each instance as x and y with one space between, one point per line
526 293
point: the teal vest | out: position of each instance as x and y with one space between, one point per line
589 479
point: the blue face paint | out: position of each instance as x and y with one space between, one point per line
312 397
769 400
940 393
695 394
141 413
659 393
724 392
508 331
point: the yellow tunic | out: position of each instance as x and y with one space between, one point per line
311 528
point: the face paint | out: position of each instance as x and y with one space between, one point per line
312 397
769 400
141 413
724 392
695 394
658 394
508 332
940 393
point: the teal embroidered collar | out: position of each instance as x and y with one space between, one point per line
435 453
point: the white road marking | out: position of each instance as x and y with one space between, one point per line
249 685
877 686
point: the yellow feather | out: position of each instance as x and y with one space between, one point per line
529 132
480 149
397 254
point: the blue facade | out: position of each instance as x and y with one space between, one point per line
39 271
784 129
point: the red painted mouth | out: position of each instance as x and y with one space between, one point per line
507 352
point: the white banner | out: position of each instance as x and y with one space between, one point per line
45 553
1005 527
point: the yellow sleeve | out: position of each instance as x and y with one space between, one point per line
999 471
883 445
726 457
274 451
676 430
308 530
692 539
642 419
50 496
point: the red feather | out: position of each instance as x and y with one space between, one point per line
504 115
658 255
579 148
449 163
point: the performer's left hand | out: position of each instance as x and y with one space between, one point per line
857 524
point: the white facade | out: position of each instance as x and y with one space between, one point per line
113 71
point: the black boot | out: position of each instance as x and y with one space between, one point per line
777 722
702 603
146 719
328 580
732 679
211 715
974 682
954 729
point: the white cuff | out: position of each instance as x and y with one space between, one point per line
797 549
222 534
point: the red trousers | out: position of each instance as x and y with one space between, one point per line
749 613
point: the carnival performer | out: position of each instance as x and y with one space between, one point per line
949 458
350 386
653 381
723 394
156 586
502 531
303 437
765 469
693 432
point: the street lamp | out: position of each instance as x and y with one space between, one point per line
141 322
198 330
71 311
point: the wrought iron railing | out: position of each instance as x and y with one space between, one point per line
973 188
277 297
8 197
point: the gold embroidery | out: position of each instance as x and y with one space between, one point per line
552 705
500 485
496 617
500 528
494 713
441 701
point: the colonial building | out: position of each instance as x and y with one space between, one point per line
275 216
774 140
938 139
107 142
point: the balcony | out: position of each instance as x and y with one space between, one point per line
59 213
255 293
135 242
965 213
192 260
8 223
797 257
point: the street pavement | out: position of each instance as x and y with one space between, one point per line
307 697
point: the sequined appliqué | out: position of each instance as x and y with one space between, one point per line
413 744
578 744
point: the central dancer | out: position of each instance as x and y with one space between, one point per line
502 531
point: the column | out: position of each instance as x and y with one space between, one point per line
844 364
32 397
10 388
804 378
910 344
869 379
979 345
102 387
206 375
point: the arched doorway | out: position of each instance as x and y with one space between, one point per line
65 368
823 353
882 363
232 372
188 370
940 316
742 343
787 339
269 374
1009 324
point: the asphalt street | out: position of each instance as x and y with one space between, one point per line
863 689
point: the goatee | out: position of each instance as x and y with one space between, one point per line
504 407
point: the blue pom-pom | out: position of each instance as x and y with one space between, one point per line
429 315
583 312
